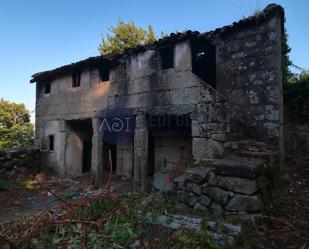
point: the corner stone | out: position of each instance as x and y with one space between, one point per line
239 185
244 203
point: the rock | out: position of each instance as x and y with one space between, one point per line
199 206
207 148
179 182
218 137
196 189
212 179
40 177
188 220
216 209
136 244
218 195
197 174
205 200
225 227
181 195
192 200
189 186
239 185
240 167
222 239
175 222
244 203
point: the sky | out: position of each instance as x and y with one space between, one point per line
38 35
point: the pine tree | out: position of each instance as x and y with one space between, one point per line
125 35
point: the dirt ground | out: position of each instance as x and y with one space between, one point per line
23 196
283 223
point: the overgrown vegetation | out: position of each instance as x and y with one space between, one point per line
3 185
15 126
284 221
109 222
296 96
295 86
125 35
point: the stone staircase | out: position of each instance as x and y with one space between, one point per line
250 149
227 185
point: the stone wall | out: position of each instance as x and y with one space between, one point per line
249 75
137 83
247 99
19 157
223 186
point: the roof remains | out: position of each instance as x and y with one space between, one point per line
112 58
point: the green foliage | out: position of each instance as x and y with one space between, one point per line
125 35
15 126
13 114
121 230
296 97
151 35
296 87
262 184
286 62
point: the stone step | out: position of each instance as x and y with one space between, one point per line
248 149
268 156
247 144
247 168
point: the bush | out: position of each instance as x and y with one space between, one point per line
296 97
15 126
18 136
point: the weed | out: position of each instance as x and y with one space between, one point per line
3 185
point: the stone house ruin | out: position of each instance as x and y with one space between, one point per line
226 84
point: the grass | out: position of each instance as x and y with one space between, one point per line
121 230
282 224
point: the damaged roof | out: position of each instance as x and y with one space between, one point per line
173 38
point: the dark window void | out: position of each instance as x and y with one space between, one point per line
76 78
87 148
151 155
104 74
51 143
167 57
47 87
204 61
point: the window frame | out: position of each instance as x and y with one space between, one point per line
170 48
51 141
76 78
44 88
100 69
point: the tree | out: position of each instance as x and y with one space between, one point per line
296 93
15 126
151 35
125 35
286 62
